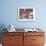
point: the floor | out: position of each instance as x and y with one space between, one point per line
0 44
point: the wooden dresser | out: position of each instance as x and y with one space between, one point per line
23 39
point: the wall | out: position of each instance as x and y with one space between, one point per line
9 13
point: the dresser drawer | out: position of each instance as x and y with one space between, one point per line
34 33
37 39
13 33
12 39
37 45
20 44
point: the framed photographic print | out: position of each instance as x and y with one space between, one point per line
26 14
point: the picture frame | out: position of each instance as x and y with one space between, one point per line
26 14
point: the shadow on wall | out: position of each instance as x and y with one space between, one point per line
2 26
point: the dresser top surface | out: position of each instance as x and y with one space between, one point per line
22 30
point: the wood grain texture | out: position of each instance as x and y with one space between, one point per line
34 39
23 39
13 39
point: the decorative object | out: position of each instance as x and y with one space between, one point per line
11 28
32 30
26 14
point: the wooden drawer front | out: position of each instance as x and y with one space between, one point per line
5 39
27 41
37 39
33 40
12 39
37 45
34 33
13 33
12 44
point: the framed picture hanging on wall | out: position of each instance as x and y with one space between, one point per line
26 14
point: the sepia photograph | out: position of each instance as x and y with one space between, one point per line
26 14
